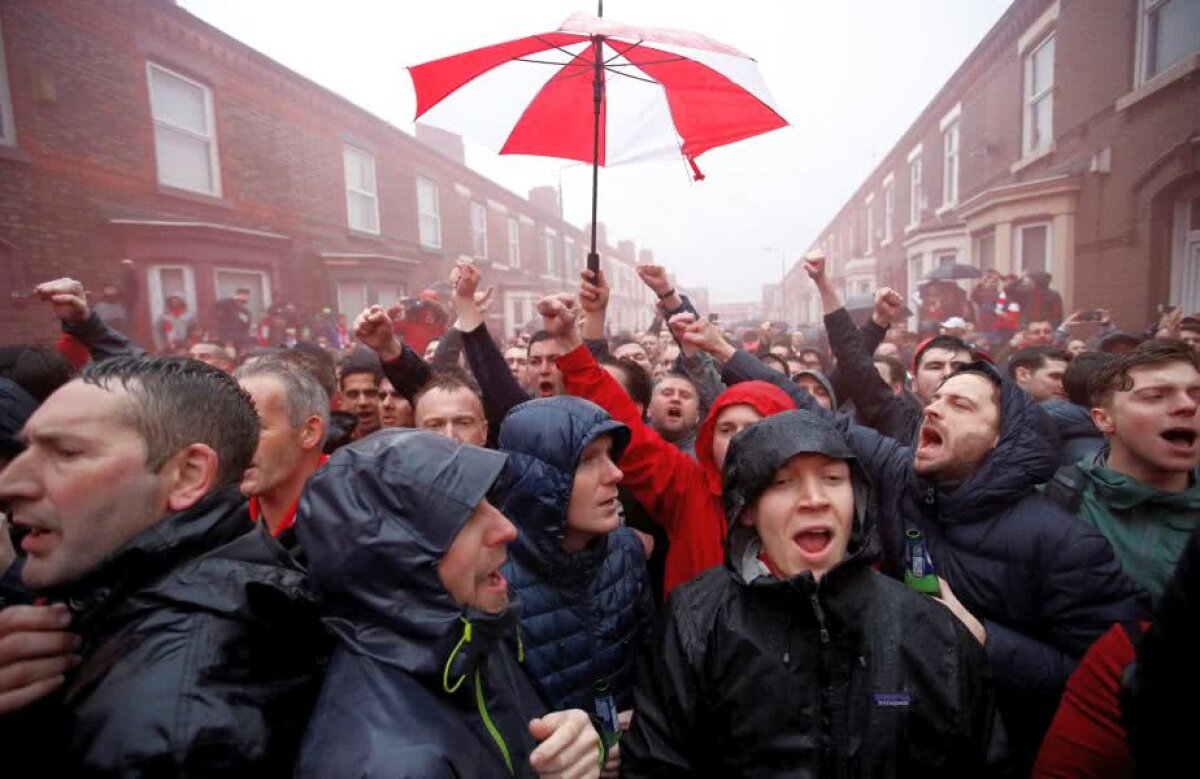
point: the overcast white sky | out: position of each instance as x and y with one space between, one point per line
850 76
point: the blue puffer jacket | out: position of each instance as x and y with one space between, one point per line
583 615
1044 584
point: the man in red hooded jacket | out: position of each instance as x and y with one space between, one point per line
683 495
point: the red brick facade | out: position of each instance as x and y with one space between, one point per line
80 187
1113 200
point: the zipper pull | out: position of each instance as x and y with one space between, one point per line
820 612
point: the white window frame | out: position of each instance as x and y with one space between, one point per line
570 267
8 121
951 143
869 207
349 152
479 233
549 238
214 163
915 190
889 207
514 242
1029 102
1019 244
1144 55
433 217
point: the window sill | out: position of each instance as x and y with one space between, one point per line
547 277
910 227
1032 157
945 209
886 242
1177 72
498 266
365 234
14 153
431 247
195 197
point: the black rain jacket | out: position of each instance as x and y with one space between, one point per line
853 675
418 686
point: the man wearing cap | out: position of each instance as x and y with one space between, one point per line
838 668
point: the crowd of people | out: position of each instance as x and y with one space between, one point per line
403 545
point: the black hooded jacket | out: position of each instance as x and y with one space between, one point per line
1079 435
852 675
418 686
584 615
201 656
1044 583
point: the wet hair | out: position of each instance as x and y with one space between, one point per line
362 360
896 372
1079 373
449 379
951 343
536 338
983 369
305 395
637 381
1033 358
1113 376
317 361
36 369
174 402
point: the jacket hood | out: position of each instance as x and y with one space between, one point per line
374 523
1026 454
825 382
16 407
544 440
1070 419
757 452
765 398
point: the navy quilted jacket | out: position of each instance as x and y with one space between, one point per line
583 615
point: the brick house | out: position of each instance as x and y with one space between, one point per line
1068 141
132 129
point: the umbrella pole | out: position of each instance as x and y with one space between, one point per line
593 261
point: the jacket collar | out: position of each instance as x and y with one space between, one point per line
1124 493
217 519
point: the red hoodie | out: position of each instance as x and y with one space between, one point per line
681 494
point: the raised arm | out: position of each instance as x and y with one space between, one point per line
402 366
500 391
69 301
656 472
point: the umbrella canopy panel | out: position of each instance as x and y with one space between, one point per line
666 93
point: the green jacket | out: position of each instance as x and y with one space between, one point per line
1148 528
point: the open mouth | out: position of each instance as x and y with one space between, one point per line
674 413
36 539
545 388
930 439
1180 436
814 541
495 580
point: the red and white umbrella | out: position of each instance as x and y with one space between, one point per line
600 92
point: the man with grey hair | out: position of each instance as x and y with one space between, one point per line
293 411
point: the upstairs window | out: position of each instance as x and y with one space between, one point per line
950 165
362 203
429 220
185 138
1039 97
8 129
1169 31
514 242
479 230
